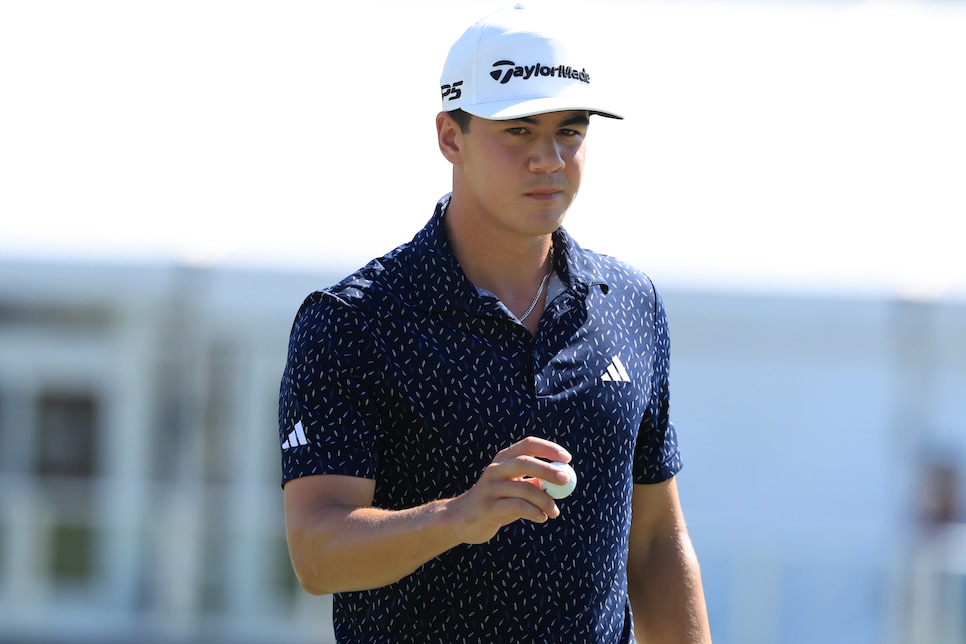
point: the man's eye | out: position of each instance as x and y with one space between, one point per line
517 130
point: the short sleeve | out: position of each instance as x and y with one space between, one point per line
329 421
656 455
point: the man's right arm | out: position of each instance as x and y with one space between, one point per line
338 542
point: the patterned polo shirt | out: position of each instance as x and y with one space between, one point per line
407 374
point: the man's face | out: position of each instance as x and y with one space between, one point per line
524 173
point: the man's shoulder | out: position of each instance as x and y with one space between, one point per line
413 276
345 313
363 285
406 269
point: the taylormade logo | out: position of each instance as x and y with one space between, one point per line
504 70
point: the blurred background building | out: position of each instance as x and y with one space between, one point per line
823 439
139 479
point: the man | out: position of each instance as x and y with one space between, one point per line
426 395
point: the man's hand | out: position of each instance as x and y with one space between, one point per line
508 491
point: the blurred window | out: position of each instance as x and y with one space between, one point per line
65 459
219 433
5 430
71 553
66 435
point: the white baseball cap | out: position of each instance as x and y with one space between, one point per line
515 63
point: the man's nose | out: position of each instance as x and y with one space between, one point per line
547 156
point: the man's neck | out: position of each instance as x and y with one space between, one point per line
498 259
509 265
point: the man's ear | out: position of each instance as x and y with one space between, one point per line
450 137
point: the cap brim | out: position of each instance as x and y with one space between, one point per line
506 110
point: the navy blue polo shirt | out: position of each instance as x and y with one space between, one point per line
407 374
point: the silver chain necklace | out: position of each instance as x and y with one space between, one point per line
536 297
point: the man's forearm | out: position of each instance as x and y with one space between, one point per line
666 594
344 549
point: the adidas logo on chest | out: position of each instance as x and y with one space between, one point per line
615 372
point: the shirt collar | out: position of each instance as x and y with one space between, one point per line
433 252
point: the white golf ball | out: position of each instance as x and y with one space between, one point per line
563 490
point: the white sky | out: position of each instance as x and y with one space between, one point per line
781 145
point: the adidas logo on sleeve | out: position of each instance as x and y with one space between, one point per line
296 437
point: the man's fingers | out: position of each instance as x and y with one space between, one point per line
525 467
533 446
493 503
536 505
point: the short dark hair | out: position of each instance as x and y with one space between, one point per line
462 119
